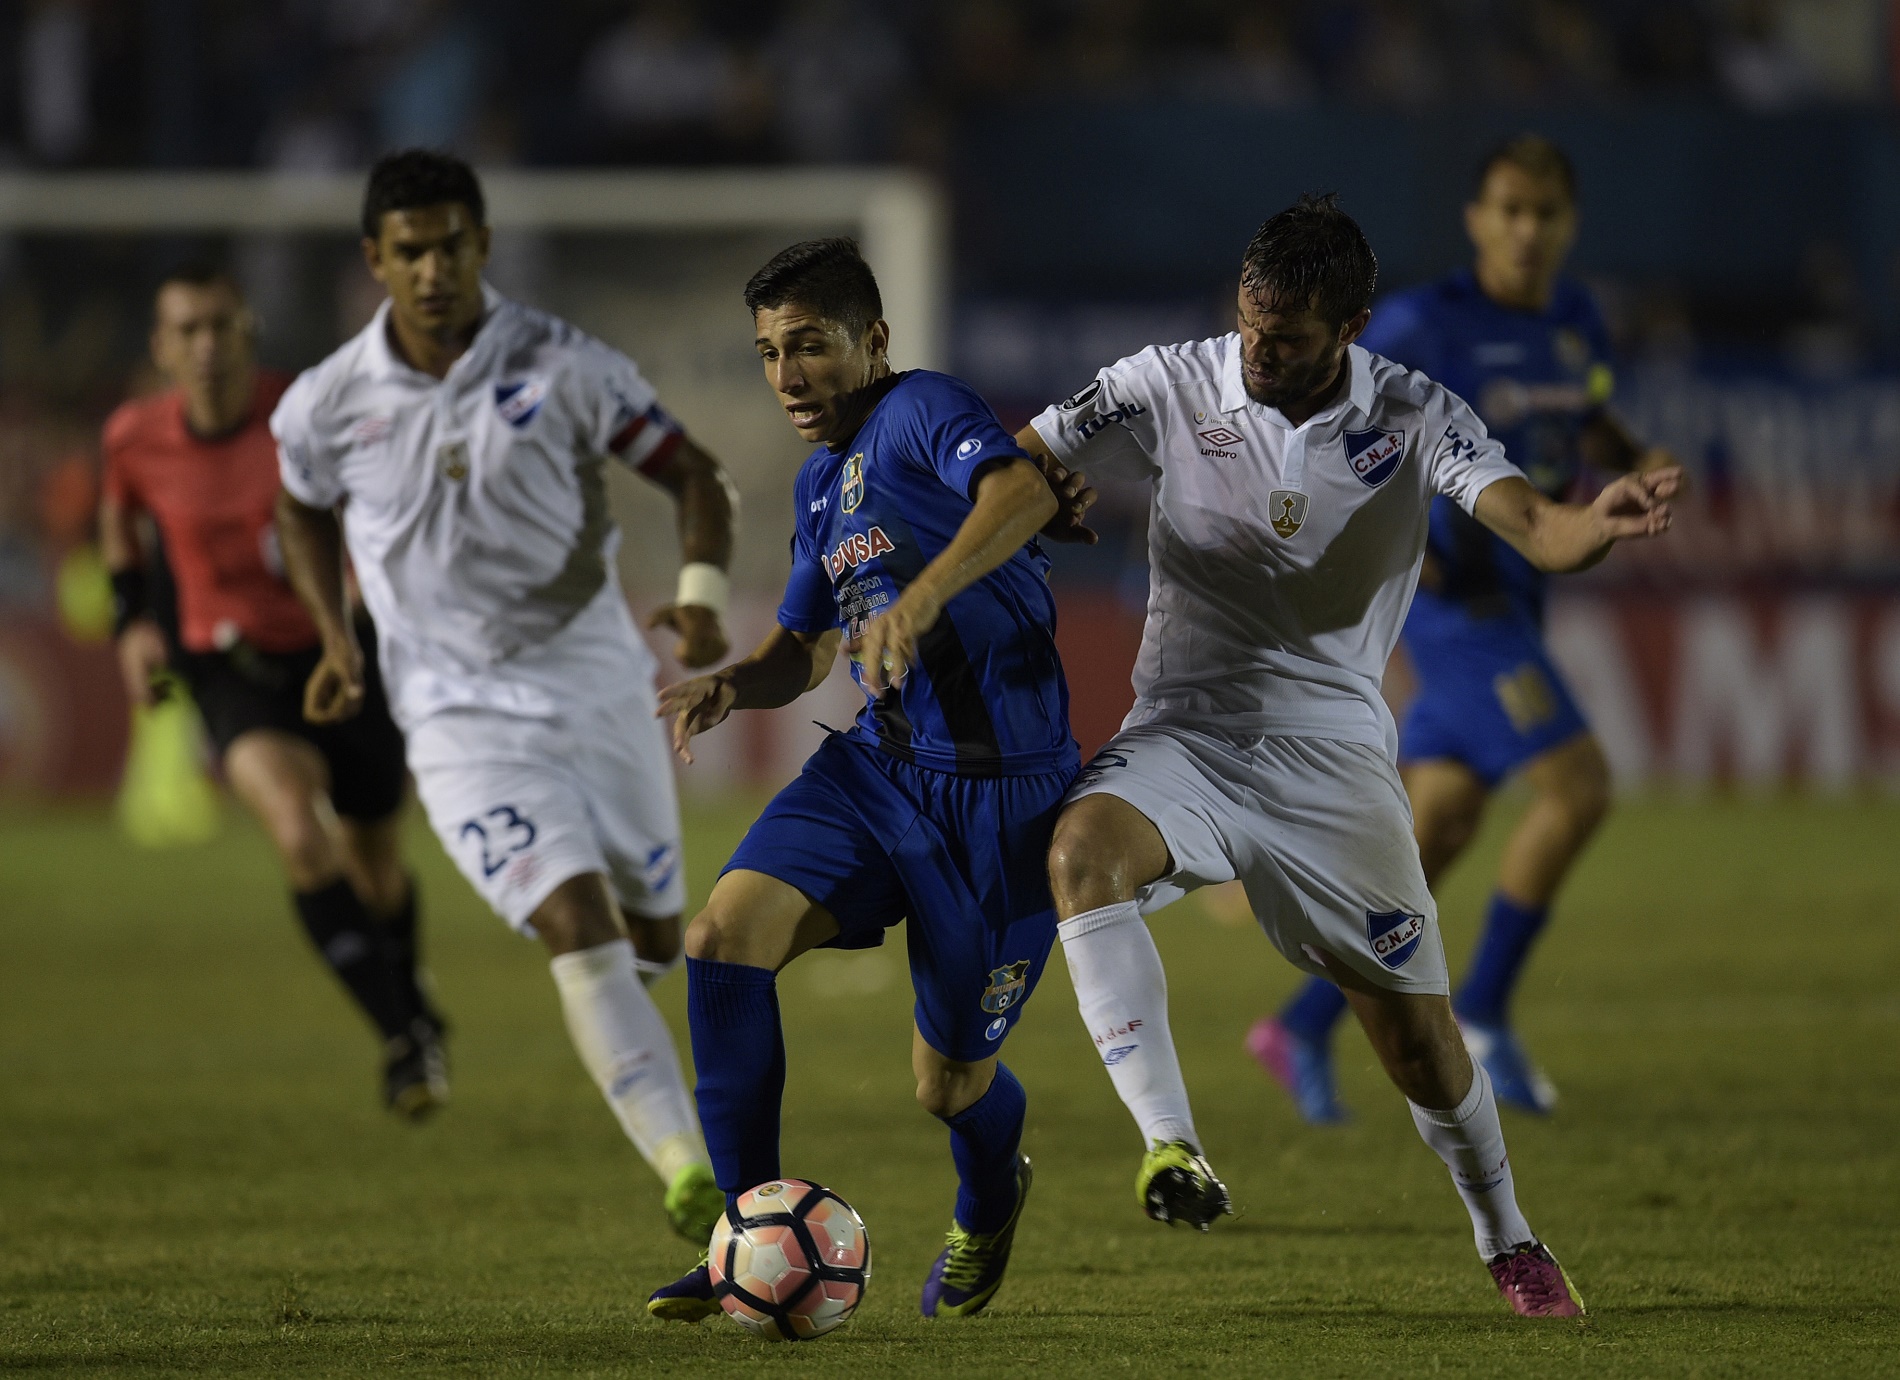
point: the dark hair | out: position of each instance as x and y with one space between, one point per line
1312 253
1531 153
199 273
415 178
828 276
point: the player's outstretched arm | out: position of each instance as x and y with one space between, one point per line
1563 537
782 668
707 501
1074 497
312 540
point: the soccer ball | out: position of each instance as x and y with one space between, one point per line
789 1260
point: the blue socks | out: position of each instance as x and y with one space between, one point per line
1314 1011
739 1052
984 1137
1509 930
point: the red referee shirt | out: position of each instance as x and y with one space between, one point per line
214 503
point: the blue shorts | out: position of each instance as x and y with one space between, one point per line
1488 695
874 840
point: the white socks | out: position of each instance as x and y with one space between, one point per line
623 1040
1471 1143
1123 993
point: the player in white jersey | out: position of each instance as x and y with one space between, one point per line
1292 477
464 440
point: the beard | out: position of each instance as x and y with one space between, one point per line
1294 385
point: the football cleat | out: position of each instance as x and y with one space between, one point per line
1514 1078
1303 1067
1534 1284
688 1299
1176 1184
694 1203
966 1276
416 1071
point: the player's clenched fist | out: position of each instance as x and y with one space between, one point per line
334 691
702 637
696 705
1637 505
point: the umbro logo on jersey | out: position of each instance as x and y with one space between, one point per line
852 493
1220 437
452 460
1395 935
519 401
1375 455
1286 510
370 430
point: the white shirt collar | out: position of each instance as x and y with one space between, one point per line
1360 395
386 363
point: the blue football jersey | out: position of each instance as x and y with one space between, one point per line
1534 378
987 697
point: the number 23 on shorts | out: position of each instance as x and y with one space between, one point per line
501 833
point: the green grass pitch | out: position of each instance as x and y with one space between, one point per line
195 1177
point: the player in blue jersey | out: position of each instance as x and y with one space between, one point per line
916 518
1527 348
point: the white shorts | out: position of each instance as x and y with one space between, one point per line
524 804
1319 832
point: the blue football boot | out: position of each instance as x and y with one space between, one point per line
1303 1067
966 1276
1514 1078
688 1299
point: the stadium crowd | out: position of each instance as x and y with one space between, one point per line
324 83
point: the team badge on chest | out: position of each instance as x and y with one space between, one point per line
1286 510
451 458
520 400
851 493
1375 456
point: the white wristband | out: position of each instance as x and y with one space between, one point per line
705 585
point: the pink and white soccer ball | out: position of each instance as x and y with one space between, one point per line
790 1260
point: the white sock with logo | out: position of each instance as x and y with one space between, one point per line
1123 993
623 1041
1470 1141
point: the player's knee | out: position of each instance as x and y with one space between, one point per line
707 939
947 1090
1082 874
309 853
1584 788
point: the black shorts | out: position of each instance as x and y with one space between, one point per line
246 689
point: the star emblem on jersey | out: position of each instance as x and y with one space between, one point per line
520 400
1286 510
1375 456
452 459
852 492
1007 986
1395 936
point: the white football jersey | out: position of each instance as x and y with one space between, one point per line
1282 559
475 507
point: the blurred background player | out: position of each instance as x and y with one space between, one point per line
915 545
198 460
465 439
1527 348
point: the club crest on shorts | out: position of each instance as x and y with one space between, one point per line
1286 510
1395 936
1007 985
852 493
1374 455
452 460
520 400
